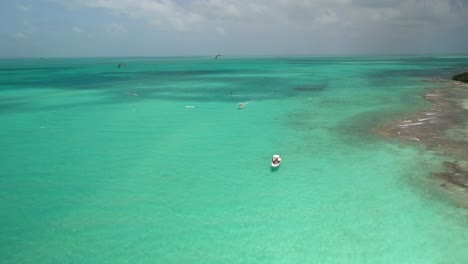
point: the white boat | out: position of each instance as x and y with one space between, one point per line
275 161
241 105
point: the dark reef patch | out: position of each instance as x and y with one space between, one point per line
455 174
433 128
462 77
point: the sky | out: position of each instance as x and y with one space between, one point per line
90 28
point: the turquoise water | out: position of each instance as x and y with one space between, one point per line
107 165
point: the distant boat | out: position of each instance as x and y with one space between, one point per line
216 57
240 105
275 161
132 93
120 65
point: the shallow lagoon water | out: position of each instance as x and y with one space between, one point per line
107 165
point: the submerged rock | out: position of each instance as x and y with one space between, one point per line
462 77
456 174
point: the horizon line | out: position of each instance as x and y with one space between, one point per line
245 55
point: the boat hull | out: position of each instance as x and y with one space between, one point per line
275 165
275 161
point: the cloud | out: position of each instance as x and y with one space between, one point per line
164 14
327 17
215 14
24 8
220 30
21 35
76 29
211 15
115 28
316 24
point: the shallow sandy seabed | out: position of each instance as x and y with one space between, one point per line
465 104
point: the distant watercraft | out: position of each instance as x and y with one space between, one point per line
216 57
189 106
120 65
275 161
132 93
241 105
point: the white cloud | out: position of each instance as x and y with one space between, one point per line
21 35
220 30
76 29
380 15
115 28
24 8
194 15
342 17
198 15
327 17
